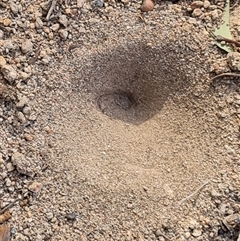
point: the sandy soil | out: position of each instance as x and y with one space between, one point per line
128 138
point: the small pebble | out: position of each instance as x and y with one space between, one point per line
55 27
21 117
98 3
147 5
206 4
10 167
38 23
196 233
197 12
8 182
215 14
22 101
6 22
26 110
2 61
63 33
9 73
197 4
27 46
233 60
49 216
14 7
28 137
71 216
35 187
63 20
158 233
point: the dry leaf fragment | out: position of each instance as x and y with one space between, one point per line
5 216
223 30
4 233
147 5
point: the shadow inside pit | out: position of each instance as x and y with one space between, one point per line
131 83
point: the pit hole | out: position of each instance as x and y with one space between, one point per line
116 101
132 83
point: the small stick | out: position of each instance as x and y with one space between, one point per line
141 18
9 206
51 9
227 40
194 193
234 5
226 75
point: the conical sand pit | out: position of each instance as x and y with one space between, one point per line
133 82
136 131
129 126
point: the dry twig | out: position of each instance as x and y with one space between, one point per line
194 193
227 40
51 9
141 17
234 5
226 75
8 206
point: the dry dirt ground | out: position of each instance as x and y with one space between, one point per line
112 127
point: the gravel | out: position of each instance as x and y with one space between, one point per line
73 170
9 73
